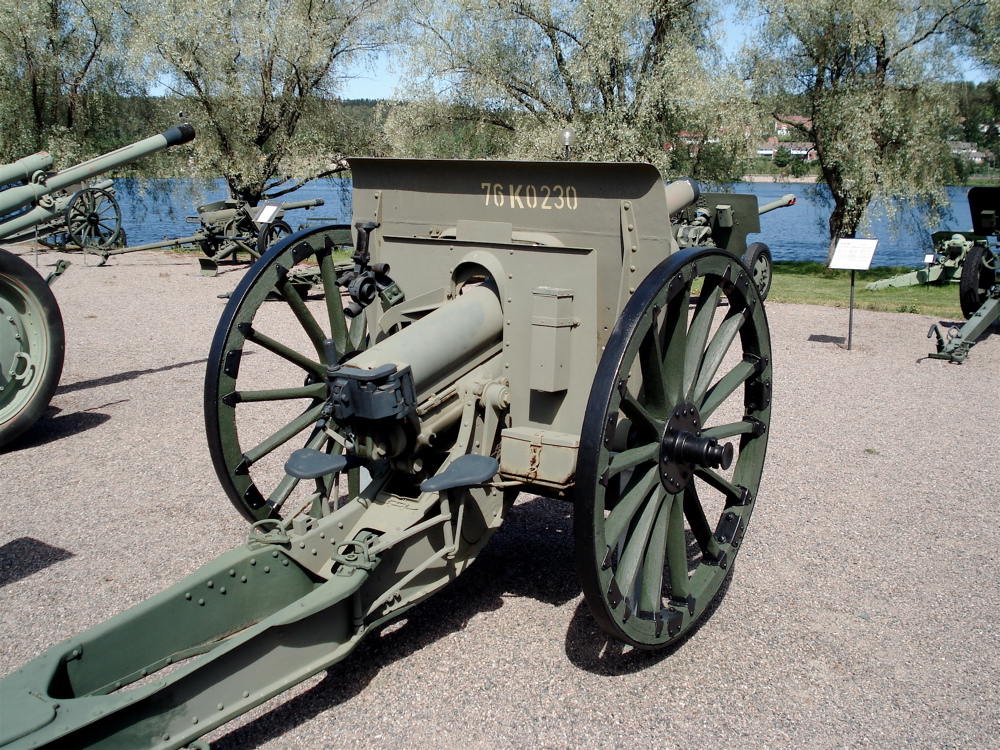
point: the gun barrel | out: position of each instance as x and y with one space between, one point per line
303 204
14 198
681 194
22 169
788 199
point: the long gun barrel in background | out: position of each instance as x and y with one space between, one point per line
788 199
40 185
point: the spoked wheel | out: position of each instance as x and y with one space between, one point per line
265 386
757 259
978 276
31 346
673 447
93 219
270 234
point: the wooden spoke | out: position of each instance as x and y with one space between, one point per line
656 530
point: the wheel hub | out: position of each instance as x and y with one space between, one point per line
682 449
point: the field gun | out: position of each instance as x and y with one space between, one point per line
83 216
979 290
511 326
951 250
724 220
32 342
228 227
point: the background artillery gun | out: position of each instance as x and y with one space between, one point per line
951 249
83 216
228 227
32 342
979 290
545 333
724 220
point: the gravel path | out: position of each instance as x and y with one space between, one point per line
862 612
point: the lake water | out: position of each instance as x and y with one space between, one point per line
155 209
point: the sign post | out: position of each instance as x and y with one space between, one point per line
853 255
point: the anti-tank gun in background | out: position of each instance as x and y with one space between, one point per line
724 220
226 228
951 250
979 284
32 341
513 326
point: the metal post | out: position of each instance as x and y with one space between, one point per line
850 317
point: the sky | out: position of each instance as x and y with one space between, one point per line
379 82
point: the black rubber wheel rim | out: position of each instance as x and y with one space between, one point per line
32 346
264 386
757 259
93 219
694 339
270 234
976 279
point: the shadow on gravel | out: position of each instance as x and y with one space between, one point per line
51 427
530 556
24 557
122 377
824 339
590 649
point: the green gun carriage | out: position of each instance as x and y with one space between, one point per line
32 341
509 327
226 228
979 283
85 216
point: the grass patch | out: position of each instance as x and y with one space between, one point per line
812 283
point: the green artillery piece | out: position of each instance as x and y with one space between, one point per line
724 220
511 326
979 290
951 250
228 227
84 217
31 327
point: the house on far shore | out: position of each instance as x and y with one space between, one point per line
970 152
791 125
802 150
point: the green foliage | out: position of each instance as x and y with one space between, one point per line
59 61
867 73
629 76
257 78
979 114
782 157
979 30
798 168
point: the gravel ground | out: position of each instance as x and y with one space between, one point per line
862 611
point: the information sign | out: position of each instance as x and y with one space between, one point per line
268 211
853 254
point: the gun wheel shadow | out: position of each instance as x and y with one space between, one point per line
531 556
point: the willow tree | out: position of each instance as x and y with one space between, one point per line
256 78
866 74
59 61
980 30
630 77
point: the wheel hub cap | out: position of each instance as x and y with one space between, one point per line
682 449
